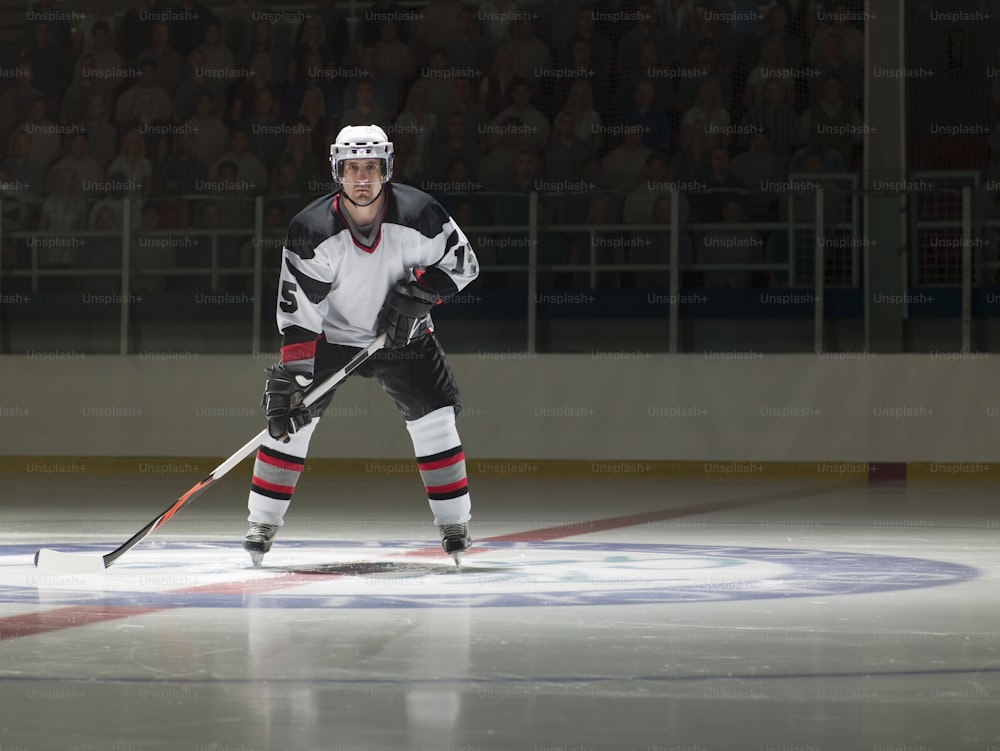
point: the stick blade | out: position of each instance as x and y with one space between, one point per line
69 563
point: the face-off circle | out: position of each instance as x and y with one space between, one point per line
314 574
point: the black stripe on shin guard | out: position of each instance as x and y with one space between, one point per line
270 493
449 494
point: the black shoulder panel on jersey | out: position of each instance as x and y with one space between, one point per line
413 208
450 243
311 226
315 290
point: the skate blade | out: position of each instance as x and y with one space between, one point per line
256 558
457 555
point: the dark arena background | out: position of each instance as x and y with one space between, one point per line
729 378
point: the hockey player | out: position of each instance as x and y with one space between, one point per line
371 257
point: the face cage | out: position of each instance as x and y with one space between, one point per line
336 166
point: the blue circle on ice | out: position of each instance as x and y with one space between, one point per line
500 574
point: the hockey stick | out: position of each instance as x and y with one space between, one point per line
88 563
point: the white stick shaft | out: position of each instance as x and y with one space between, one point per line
248 448
82 563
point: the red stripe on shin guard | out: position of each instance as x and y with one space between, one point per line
451 486
279 463
447 462
273 487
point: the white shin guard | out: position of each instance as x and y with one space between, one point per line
275 474
441 462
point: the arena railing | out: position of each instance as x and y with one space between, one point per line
805 266
947 246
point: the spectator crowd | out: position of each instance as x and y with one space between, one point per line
604 108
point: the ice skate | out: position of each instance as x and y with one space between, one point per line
257 541
455 540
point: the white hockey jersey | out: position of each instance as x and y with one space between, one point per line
333 284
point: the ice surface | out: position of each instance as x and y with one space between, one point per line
813 616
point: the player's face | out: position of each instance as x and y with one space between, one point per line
362 179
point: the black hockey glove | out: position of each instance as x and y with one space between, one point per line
403 312
284 393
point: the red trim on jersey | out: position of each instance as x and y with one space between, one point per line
373 248
272 486
299 351
457 485
446 462
378 237
280 463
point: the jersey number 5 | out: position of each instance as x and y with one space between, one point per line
288 302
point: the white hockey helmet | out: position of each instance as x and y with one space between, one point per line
361 142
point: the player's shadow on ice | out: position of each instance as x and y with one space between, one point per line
393 568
